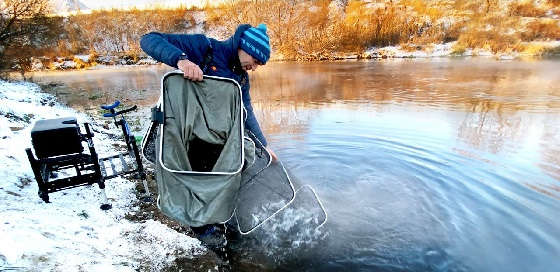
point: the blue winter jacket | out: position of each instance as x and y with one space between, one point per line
167 48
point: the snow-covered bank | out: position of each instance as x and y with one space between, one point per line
87 61
71 233
533 49
449 50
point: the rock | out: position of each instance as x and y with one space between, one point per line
83 58
107 60
36 65
69 64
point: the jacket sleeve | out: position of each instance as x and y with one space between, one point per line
251 123
167 48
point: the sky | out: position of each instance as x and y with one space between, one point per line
124 4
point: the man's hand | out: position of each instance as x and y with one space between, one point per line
191 70
272 154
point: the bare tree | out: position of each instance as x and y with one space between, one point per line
24 25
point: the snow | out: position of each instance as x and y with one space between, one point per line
67 64
147 61
506 57
218 32
107 60
446 50
442 50
484 53
84 58
36 65
199 18
437 50
71 233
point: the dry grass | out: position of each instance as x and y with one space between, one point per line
312 30
424 8
539 49
534 50
541 30
458 49
308 30
305 30
118 31
526 8
491 32
494 41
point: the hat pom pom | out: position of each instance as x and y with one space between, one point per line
262 26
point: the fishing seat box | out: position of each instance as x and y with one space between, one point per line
56 137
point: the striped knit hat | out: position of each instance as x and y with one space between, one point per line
255 42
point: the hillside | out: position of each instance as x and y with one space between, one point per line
322 29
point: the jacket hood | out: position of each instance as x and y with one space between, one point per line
232 44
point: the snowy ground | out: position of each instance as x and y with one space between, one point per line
446 50
71 233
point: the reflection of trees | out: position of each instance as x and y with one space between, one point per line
281 99
550 190
290 82
283 117
89 89
492 106
487 127
550 148
285 94
442 84
490 92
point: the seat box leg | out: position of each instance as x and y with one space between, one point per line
140 174
105 205
36 167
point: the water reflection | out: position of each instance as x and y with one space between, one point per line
423 165
501 102
550 155
488 128
90 88
440 83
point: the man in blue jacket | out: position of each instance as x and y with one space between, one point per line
195 55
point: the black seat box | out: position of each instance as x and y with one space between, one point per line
55 137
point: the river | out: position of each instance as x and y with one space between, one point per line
448 164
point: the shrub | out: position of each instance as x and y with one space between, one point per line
458 49
25 30
526 9
492 40
540 50
541 30
118 31
424 8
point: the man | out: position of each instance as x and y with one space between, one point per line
195 55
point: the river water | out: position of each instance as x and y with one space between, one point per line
422 165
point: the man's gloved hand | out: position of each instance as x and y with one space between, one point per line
191 70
